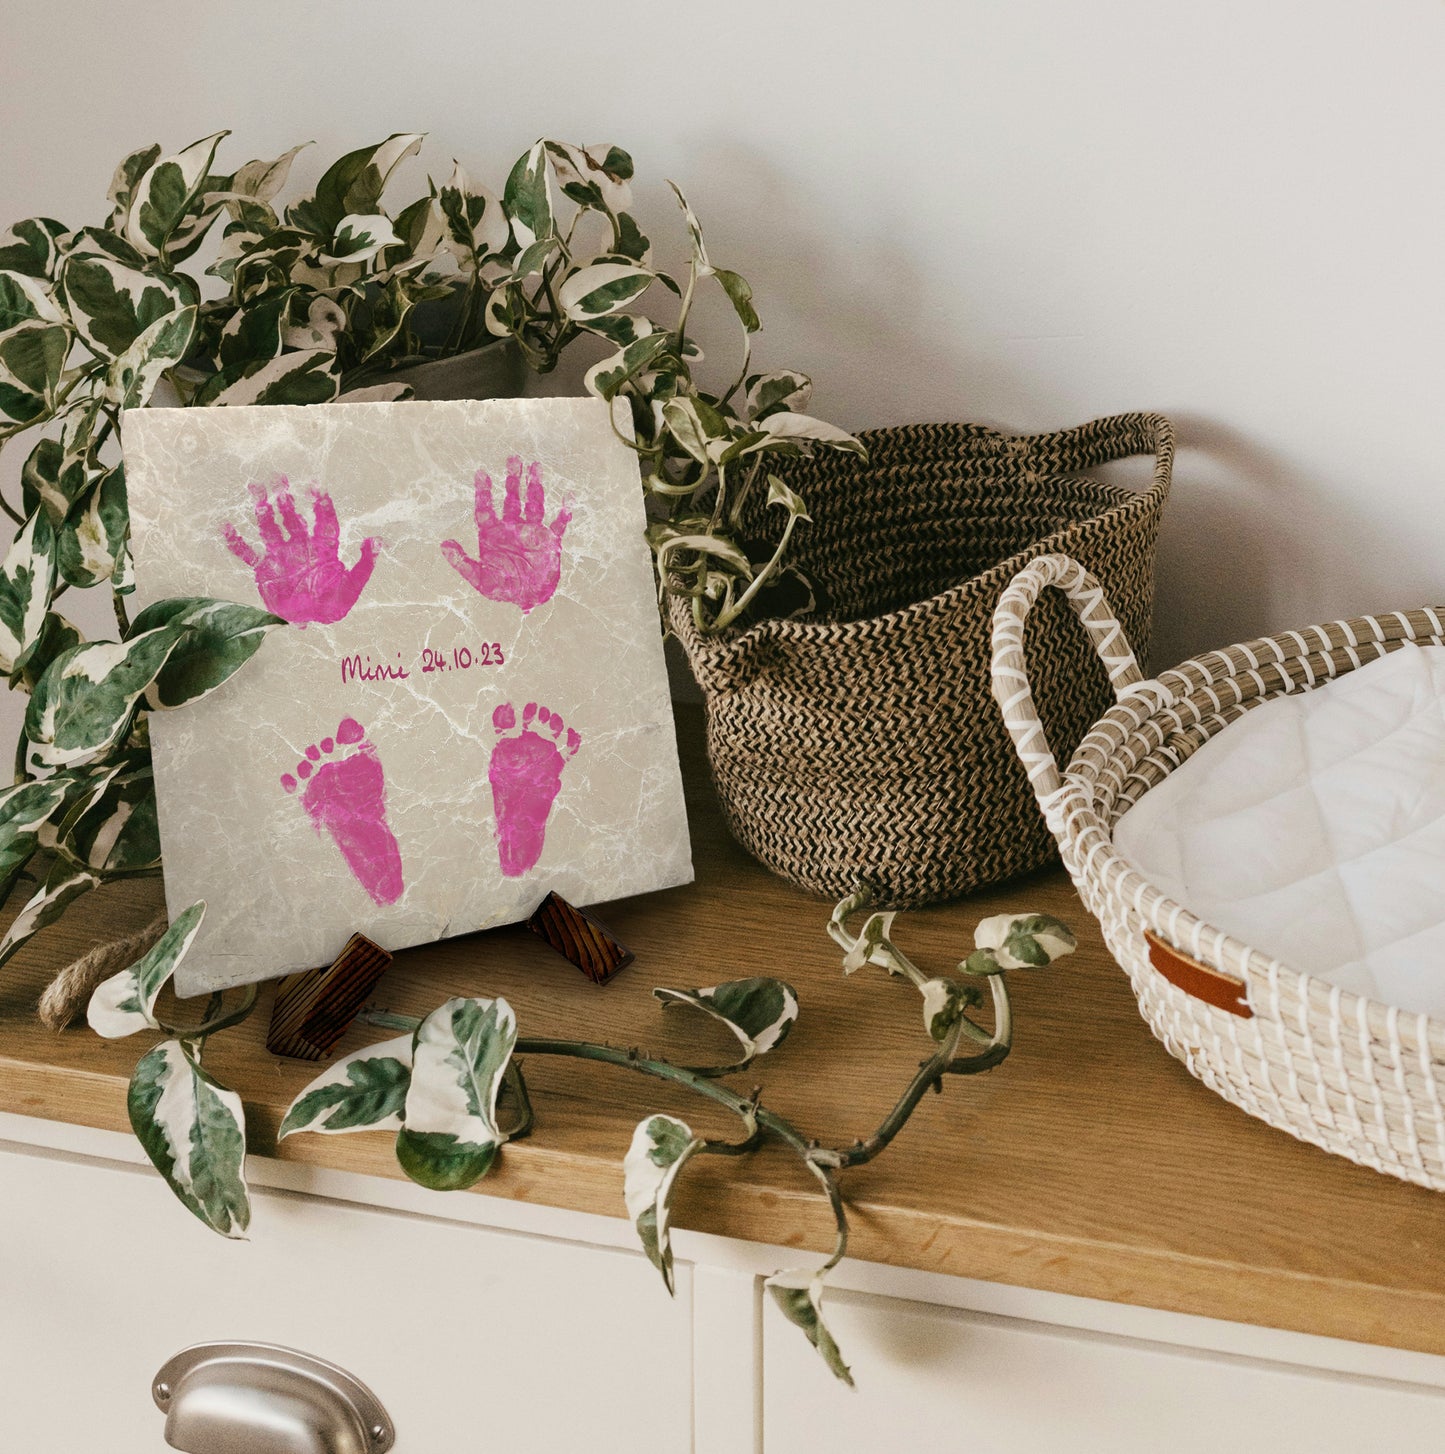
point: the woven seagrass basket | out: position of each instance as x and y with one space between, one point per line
860 742
1359 1078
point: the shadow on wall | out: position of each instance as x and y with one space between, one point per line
1234 562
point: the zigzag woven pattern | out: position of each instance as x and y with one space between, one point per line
862 741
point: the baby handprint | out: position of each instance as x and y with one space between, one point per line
519 558
301 576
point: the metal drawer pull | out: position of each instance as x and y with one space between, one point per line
254 1398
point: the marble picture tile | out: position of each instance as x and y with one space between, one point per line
469 707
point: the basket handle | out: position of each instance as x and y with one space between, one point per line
1010 668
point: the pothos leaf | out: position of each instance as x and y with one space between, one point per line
24 808
84 702
111 303
760 1012
354 183
782 389
943 1004
780 494
602 288
450 1135
56 635
117 831
194 1131
32 357
63 885
475 223
218 638
694 232
24 299
528 197
31 247
1019 941
134 374
740 295
305 377
661 1147
787 425
26 579
365 1091
162 197
126 1001
803 1307
90 545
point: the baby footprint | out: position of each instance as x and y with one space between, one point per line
526 774
346 795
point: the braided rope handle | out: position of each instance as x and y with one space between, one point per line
1011 688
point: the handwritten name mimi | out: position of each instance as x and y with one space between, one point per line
357 668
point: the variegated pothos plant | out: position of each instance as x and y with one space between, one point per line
322 298
437 1086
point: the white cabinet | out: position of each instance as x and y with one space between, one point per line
940 1379
488 1325
474 1339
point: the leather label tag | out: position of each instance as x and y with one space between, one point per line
1213 986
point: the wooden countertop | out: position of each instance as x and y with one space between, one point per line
1088 1163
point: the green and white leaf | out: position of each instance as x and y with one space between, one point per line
194 1131
306 377
111 303
261 181
450 1135
359 238
25 299
217 639
133 376
694 232
326 320
1020 941
63 885
352 184
661 1147
944 1001
871 945
90 545
803 1307
740 295
787 425
781 389
84 702
32 247
24 809
528 197
32 359
785 497
57 635
476 225
126 1002
594 176
115 831
602 288
760 1012
163 196
26 580
365 1091
608 375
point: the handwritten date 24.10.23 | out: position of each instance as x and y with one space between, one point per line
361 667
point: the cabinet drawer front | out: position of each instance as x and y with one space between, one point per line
473 1339
935 1378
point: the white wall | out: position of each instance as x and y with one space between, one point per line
1028 213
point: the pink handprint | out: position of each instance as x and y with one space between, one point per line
301 576
519 559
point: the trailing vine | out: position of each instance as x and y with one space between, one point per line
438 1084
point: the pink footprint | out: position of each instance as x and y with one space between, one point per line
347 796
526 774
301 577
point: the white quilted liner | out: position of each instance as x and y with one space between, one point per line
1314 830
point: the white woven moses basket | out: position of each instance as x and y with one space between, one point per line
1356 1077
